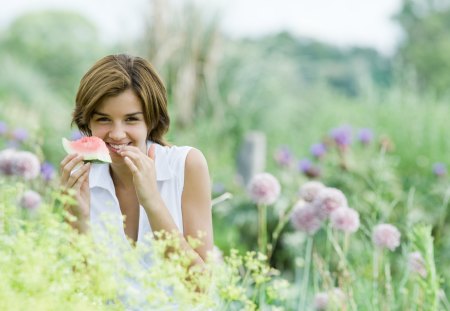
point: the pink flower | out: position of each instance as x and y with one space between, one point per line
416 264
386 235
6 161
264 188
310 190
321 301
26 165
328 200
304 218
30 200
336 297
345 219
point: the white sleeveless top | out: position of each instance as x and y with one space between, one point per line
105 210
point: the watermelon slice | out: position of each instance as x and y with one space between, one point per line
92 148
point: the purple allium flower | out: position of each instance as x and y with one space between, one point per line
264 188
310 190
416 264
342 136
47 171
26 165
321 301
365 136
328 200
3 128
20 134
439 169
336 297
6 161
304 218
283 156
345 219
75 135
318 150
30 200
306 167
386 235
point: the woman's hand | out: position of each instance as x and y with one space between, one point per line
78 181
142 166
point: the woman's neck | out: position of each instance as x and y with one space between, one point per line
121 175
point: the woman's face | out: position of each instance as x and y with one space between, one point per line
119 121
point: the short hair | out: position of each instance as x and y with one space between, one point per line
114 74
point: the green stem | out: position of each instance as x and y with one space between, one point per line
375 301
262 226
389 291
305 281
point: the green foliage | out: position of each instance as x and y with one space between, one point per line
426 47
60 45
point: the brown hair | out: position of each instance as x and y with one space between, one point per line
111 76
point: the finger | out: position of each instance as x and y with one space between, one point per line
80 181
135 157
68 168
151 152
133 168
76 175
66 160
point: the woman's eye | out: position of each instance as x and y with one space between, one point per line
102 119
132 119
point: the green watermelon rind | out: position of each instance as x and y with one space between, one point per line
89 157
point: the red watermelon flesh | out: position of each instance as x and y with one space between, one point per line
92 148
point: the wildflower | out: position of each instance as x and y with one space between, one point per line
47 171
342 136
6 159
323 300
416 264
318 150
365 136
3 128
386 235
26 165
283 156
264 188
20 134
386 144
309 190
439 169
306 167
304 218
30 200
345 219
328 200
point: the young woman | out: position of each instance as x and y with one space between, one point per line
122 100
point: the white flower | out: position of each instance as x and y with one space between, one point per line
345 219
386 235
328 200
264 188
304 218
310 190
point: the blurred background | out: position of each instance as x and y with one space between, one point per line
289 71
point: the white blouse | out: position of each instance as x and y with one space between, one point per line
105 210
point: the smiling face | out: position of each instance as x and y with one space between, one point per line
119 121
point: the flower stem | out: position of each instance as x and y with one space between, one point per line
305 281
262 226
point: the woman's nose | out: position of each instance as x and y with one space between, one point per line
117 132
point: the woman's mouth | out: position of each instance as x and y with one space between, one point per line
116 147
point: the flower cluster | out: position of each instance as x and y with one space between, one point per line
19 163
318 203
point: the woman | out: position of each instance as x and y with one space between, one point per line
122 100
